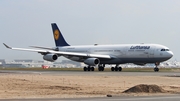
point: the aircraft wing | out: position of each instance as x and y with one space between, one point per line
61 52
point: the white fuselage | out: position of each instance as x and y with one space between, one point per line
123 53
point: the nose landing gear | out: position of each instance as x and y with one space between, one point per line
156 69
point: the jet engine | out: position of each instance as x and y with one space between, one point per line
50 57
92 61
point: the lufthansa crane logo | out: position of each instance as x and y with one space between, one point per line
56 34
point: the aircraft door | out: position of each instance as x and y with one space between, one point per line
151 52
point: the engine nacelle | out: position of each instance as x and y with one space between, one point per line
141 64
92 61
50 57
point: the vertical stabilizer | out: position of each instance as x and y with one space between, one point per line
58 37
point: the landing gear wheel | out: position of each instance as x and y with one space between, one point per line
116 68
85 68
112 68
101 68
89 68
156 69
92 68
120 68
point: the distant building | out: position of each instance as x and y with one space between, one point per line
23 60
3 61
13 65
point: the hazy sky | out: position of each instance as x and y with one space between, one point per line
84 22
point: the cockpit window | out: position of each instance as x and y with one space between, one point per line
164 49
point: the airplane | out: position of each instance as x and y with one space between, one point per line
100 55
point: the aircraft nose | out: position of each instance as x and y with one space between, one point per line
170 54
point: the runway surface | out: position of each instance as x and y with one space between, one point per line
82 73
121 98
114 98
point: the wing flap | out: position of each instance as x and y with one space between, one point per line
48 48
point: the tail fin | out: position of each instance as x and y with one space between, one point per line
58 37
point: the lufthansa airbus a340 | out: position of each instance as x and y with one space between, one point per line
100 55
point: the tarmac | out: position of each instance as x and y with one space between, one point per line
82 73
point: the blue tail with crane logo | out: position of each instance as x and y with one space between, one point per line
58 37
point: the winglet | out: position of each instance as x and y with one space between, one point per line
7 46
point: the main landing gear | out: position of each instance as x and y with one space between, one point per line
88 68
116 68
156 69
91 68
101 67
